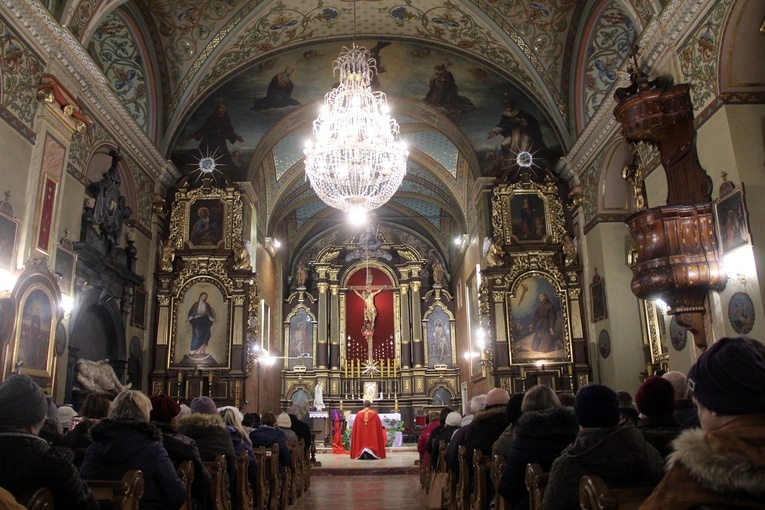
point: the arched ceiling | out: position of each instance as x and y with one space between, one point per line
204 52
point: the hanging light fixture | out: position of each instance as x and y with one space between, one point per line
355 162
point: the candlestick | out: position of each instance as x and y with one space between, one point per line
523 373
345 367
341 405
395 404
180 377
210 378
395 362
649 369
571 369
358 366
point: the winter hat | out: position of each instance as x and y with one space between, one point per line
655 397
454 419
22 402
729 377
283 420
163 408
65 415
596 406
185 410
204 405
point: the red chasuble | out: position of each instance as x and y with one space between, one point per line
368 434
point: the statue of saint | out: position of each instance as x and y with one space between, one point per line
241 257
438 273
302 275
496 254
318 397
166 257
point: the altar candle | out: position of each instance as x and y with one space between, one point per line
358 368
345 366
180 377
210 378
571 369
523 373
649 369
341 405
394 368
387 364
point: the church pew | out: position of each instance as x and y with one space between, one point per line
122 494
273 476
462 496
263 489
219 493
244 495
39 499
292 489
496 474
451 480
481 494
186 474
595 495
536 482
305 465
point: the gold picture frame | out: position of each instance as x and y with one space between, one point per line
34 341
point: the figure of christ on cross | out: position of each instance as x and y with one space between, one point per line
370 314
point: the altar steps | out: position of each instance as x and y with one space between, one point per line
396 462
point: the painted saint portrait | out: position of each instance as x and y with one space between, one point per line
34 337
537 321
528 217
206 223
202 329
301 339
439 338
678 335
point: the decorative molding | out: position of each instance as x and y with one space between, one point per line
61 47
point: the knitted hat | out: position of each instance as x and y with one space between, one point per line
204 405
729 377
454 419
185 410
163 408
65 415
596 406
283 420
655 397
22 402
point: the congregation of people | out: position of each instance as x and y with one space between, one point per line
683 442
66 451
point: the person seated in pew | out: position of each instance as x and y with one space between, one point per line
300 428
250 422
429 444
125 441
685 410
617 452
94 409
512 412
27 462
164 414
205 426
627 408
435 420
544 429
451 424
267 435
722 464
477 404
285 425
655 400
232 418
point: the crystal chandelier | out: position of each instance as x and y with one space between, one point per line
355 162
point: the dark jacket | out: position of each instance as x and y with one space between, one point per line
78 440
540 436
212 439
302 430
181 448
444 434
121 445
724 468
660 431
28 463
240 445
486 428
268 436
619 455
458 439
685 409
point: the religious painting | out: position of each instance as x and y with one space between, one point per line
604 344
201 333
537 322
741 313
66 263
8 230
35 332
477 370
527 212
439 334
138 315
678 335
370 391
300 338
732 221
206 223
656 338
598 296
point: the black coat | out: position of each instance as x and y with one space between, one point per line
181 448
28 463
121 445
660 431
445 434
302 430
540 436
268 436
212 439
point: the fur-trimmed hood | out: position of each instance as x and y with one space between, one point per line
488 414
547 422
199 420
729 461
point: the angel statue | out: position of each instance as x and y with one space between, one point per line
494 253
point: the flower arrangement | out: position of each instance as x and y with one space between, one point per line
392 426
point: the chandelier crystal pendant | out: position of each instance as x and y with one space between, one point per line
355 162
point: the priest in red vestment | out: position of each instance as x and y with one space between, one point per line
368 435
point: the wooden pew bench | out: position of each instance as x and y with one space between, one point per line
186 474
244 495
219 493
122 494
536 482
595 495
496 474
40 499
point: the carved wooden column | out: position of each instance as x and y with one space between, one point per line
334 327
406 328
677 247
321 342
418 347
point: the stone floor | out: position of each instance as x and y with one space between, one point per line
392 482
